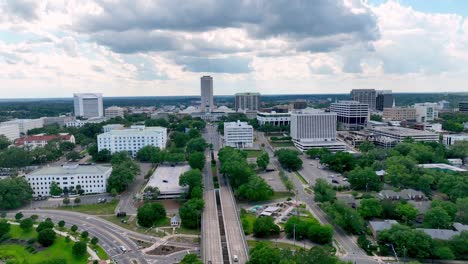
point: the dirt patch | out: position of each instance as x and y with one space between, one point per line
165 250
185 240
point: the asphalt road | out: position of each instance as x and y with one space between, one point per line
126 200
346 242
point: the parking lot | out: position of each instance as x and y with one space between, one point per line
313 170
55 202
274 180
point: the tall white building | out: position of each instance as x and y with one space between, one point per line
91 178
25 124
114 111
88 105
247 101
451 139
314 129
351 115
207 104
365 96
426 112
238 134
11 131
132 139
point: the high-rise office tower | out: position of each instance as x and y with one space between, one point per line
351 115
365 96
88 105
384 99
247 101
206 83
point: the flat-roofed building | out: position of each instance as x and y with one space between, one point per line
314 129
59 120
114 111
206 86
463 107
132 139
166 178
426 112
42 140
351 115
399 114
400 133
238 134
88 105
451 139
365 96
273 118
247 101
25 125
110 127
383 100
11 131
91 178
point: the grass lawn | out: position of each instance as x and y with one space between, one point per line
282 144
253 243
300 177
281 195
93 209
131 225
100 252
60 249
253 153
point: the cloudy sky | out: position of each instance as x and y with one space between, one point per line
53 48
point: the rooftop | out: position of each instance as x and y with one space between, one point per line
237 124
166 178
382 225
403 131
442 234
136 130
348 102
441 166
70 169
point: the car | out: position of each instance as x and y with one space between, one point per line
345 179
335 181
235 258
123 249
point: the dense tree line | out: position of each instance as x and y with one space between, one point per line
289 159
14 192
311 229
124 170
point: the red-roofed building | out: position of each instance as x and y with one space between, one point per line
42 140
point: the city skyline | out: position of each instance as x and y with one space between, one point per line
127 49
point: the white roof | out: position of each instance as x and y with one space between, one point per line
71 169
272 209
136 130
441 166
166 178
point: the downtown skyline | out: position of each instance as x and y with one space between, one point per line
56 48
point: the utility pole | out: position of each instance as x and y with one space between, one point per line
294 234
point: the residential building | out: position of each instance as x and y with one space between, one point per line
399 114
238 134
400 133
451 139
41 140
426 112
463 107
383 100
207 104
247 101
300 104
11 131
91 178
25 125
132 139
365 96
166 179
315 129
444 105
379 226
110 127
114 111
59 120
80 122
351 115
88 105
273 118
439 234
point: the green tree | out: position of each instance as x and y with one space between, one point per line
74 228
339 162
149 213
194 133
14 192
322 234
448 206
66 201
317 152
4 228
18 216
26 224
437 217
410 242
47 224
462 208
444 253
289 159
55 190
61 224
197 160
191 179
104 155
263 160
77 201
324 191
366 146
4 142
73 156
345 216
406 212
179 139
191 259
15 158
34 217
94 241
79 249
147 153
364 179
256 189
46 237
84 235
370 208
190 213
122 175
265 226
196 145
151 193
458 244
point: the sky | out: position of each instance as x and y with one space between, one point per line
54 48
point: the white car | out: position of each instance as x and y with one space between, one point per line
235 258
123 249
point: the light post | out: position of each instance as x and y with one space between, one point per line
394 252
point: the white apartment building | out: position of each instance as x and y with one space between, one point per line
79 122
132 139
206 85
11 132
451 139
114 111
426 112
88 105
247 101
273 118
110 127
315 129
238 134
351 115
59 120
25 124
91 178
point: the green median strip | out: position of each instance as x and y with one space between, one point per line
300 177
